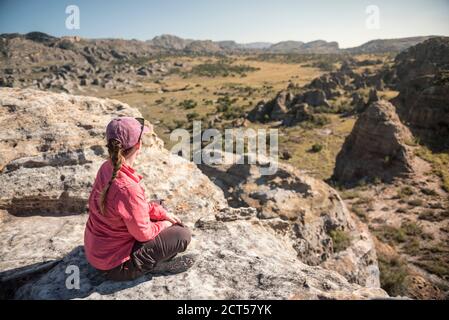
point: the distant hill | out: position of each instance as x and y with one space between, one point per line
169 42
257 45
174 43
387 45
318 46
38 47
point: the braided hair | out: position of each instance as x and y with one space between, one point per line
117 156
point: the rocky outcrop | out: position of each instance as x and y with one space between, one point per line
53 144
387 45
423 83
288 108
377 147
320 95
306 212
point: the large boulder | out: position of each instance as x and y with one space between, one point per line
280 105
377 148
52 146
274 110
316 98
298 113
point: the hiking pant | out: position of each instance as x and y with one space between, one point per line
145 256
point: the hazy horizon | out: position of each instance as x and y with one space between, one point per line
247 21
243 43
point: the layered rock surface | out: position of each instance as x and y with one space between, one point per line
51 148
304 211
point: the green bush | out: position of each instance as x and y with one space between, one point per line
188 104
316 148
393 274
391 234
341 240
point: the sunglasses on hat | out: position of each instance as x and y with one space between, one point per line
142 123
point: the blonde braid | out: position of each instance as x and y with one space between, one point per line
117 156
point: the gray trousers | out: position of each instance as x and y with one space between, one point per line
145 256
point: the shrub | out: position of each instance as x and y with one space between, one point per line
229 111
405 192
179 124
412 229
393 274
349 194
416 203
361 213
316 121
341 240
429 215
192 116
188 104
364 200
391 234
429 192
316 148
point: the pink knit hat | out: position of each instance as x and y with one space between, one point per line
128 131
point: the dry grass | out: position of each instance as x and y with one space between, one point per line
440 164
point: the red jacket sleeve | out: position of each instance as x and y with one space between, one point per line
157 212
132 206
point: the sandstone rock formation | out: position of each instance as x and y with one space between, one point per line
376 148
293 108
288 108
306 212
51 147
423 83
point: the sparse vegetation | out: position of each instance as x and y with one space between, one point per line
349 194
188 104
340 239
393 274
434 259
416 202
405 192
316 121
193 116
440 164
220 69
227 107
390 234
360 212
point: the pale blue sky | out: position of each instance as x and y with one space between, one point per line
240 20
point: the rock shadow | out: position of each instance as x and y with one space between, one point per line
57 280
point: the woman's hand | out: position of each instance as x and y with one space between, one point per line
166 224
173 218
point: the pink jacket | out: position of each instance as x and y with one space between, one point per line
109 238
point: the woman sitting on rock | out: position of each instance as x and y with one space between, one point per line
127 237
